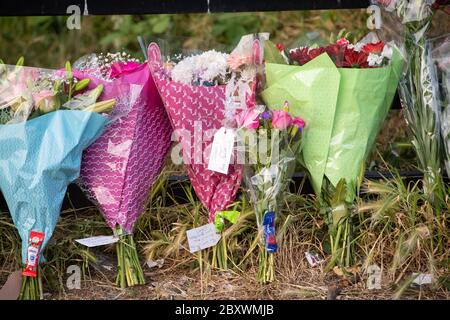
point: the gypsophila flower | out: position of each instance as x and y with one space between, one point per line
100 65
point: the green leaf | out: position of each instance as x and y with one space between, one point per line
340 192
272 54
332 38
341 34
20 62
56 86
338 204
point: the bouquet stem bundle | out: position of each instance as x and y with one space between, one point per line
32 288
129 268
339 215
220 255
266 269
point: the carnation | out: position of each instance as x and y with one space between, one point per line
374 60
356 47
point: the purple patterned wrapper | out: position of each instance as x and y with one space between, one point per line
119 169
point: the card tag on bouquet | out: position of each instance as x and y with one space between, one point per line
202 237
97 241
221 150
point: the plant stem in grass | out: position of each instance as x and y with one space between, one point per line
129 271
266 270
338 214
220 256
416 97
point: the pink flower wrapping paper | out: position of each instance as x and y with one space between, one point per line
119 169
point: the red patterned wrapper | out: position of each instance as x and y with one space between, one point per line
33 251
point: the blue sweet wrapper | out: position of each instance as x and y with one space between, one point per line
38 160
269 232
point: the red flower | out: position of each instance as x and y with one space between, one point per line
354 59
280 47
314 53
336 53
376 47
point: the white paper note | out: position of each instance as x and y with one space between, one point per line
97 241
422 278
313 259
221 150
203 237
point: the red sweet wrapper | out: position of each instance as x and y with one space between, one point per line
33 251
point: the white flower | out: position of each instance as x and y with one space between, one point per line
208 66
184 71
375 60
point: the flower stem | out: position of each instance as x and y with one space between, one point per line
129 267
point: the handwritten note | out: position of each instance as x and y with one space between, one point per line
97 241
203 237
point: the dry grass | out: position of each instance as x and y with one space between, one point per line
389 238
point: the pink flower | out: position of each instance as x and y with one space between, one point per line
248 119
343 42
298 122
46 101
234 61
281 120
384 3
121 68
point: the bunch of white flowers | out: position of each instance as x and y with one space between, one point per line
209 66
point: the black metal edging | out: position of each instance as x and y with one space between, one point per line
123 7
76 199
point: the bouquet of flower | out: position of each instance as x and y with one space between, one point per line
344 92
439 64
271 139
47 119
201 94
117 172
416 92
